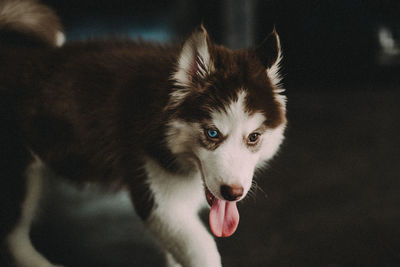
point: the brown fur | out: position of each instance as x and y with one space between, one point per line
92 110
234 71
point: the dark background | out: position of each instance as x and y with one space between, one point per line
332 195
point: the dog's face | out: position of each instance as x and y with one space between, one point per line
228 113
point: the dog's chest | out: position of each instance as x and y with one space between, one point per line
175 191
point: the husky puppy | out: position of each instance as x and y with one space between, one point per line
177 126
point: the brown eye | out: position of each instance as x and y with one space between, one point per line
253 138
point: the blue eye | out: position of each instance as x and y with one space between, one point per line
212 133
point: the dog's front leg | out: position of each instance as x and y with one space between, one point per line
174 218
184 236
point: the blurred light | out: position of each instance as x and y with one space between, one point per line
119 27
389 47
387 42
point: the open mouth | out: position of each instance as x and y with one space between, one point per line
209 196
224 215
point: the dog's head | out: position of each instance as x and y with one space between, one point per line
227 112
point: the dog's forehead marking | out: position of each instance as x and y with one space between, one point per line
236 118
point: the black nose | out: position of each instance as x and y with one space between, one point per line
231 192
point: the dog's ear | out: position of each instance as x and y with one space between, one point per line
270 55
269 51
195 60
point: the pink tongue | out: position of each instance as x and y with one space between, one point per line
224 218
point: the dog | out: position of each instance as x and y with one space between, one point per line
181 127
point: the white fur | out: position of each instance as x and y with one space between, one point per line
274 75
233 162
60 39
272 139
170 260
273 71
180 136
175 221
195 45
234 118
19 242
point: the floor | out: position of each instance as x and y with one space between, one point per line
331 198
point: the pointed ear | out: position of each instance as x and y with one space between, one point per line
194 61
269 52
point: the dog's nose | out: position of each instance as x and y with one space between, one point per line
231 192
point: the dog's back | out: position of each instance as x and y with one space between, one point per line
94 89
